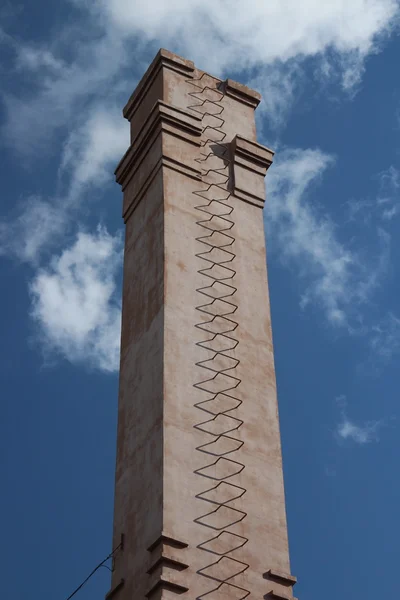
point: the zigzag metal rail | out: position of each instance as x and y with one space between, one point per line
219 255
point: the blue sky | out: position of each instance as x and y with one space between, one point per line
328 73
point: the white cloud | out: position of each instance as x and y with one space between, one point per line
338 280
38 223
89 155
385 206
92 149
302 234
385 337
65 92
360 434
36 58
75 304
278 84
390 180
389 193
233 34
360 211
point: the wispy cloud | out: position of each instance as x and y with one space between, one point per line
389 193
35 59
351 431
60 93
279 83
232 35
337 279
384 206
86 164
75 304
385 337
37 222
360 434
92 149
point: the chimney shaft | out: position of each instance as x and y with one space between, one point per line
199 497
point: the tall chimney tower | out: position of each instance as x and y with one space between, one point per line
199 497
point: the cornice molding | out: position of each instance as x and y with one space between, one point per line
151 150
163 60
242 93
250 164
162 117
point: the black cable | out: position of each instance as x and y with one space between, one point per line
94 571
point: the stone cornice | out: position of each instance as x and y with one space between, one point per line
163 117
242 93
250 164
163 59
146 155
252 155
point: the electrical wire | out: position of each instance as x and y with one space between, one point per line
94 571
